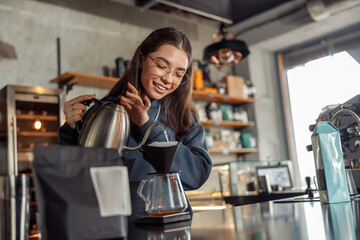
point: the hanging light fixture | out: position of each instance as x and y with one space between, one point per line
226 49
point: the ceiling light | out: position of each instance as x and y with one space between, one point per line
225 49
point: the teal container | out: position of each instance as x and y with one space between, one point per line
227 112
248 140
329 164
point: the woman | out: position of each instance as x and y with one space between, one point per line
156 88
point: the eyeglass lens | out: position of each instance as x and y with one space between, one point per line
179 75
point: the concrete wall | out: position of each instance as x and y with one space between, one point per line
93 34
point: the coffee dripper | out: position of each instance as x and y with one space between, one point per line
164 193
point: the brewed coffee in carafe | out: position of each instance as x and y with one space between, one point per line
162 192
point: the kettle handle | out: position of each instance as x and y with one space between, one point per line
89 113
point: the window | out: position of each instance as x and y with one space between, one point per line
317 76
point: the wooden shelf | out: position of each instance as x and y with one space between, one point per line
231 124
233 151
34 117
220 98
29 149
87 80
38 134
216 97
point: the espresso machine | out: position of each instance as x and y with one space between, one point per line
345 117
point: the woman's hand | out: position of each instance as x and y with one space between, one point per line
74 109
136 106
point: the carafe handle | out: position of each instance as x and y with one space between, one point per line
140 189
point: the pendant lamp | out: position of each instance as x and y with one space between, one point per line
225 49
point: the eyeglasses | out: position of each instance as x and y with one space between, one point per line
180 76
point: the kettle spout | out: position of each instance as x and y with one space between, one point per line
147 133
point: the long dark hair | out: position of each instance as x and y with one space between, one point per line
178 105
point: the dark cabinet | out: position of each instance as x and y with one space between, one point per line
29 116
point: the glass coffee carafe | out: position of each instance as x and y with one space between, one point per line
164 194
162 191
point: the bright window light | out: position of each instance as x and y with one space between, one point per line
325 81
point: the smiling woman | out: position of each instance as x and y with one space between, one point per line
157 77
173 49
155 88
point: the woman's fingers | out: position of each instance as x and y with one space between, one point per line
134 99
70 103
74 109
133 95
74 116
81 98
147 102
133 89
136 105
79 106
127 101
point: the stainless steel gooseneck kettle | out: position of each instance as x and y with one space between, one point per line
107 125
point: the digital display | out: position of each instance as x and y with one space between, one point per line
278 175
